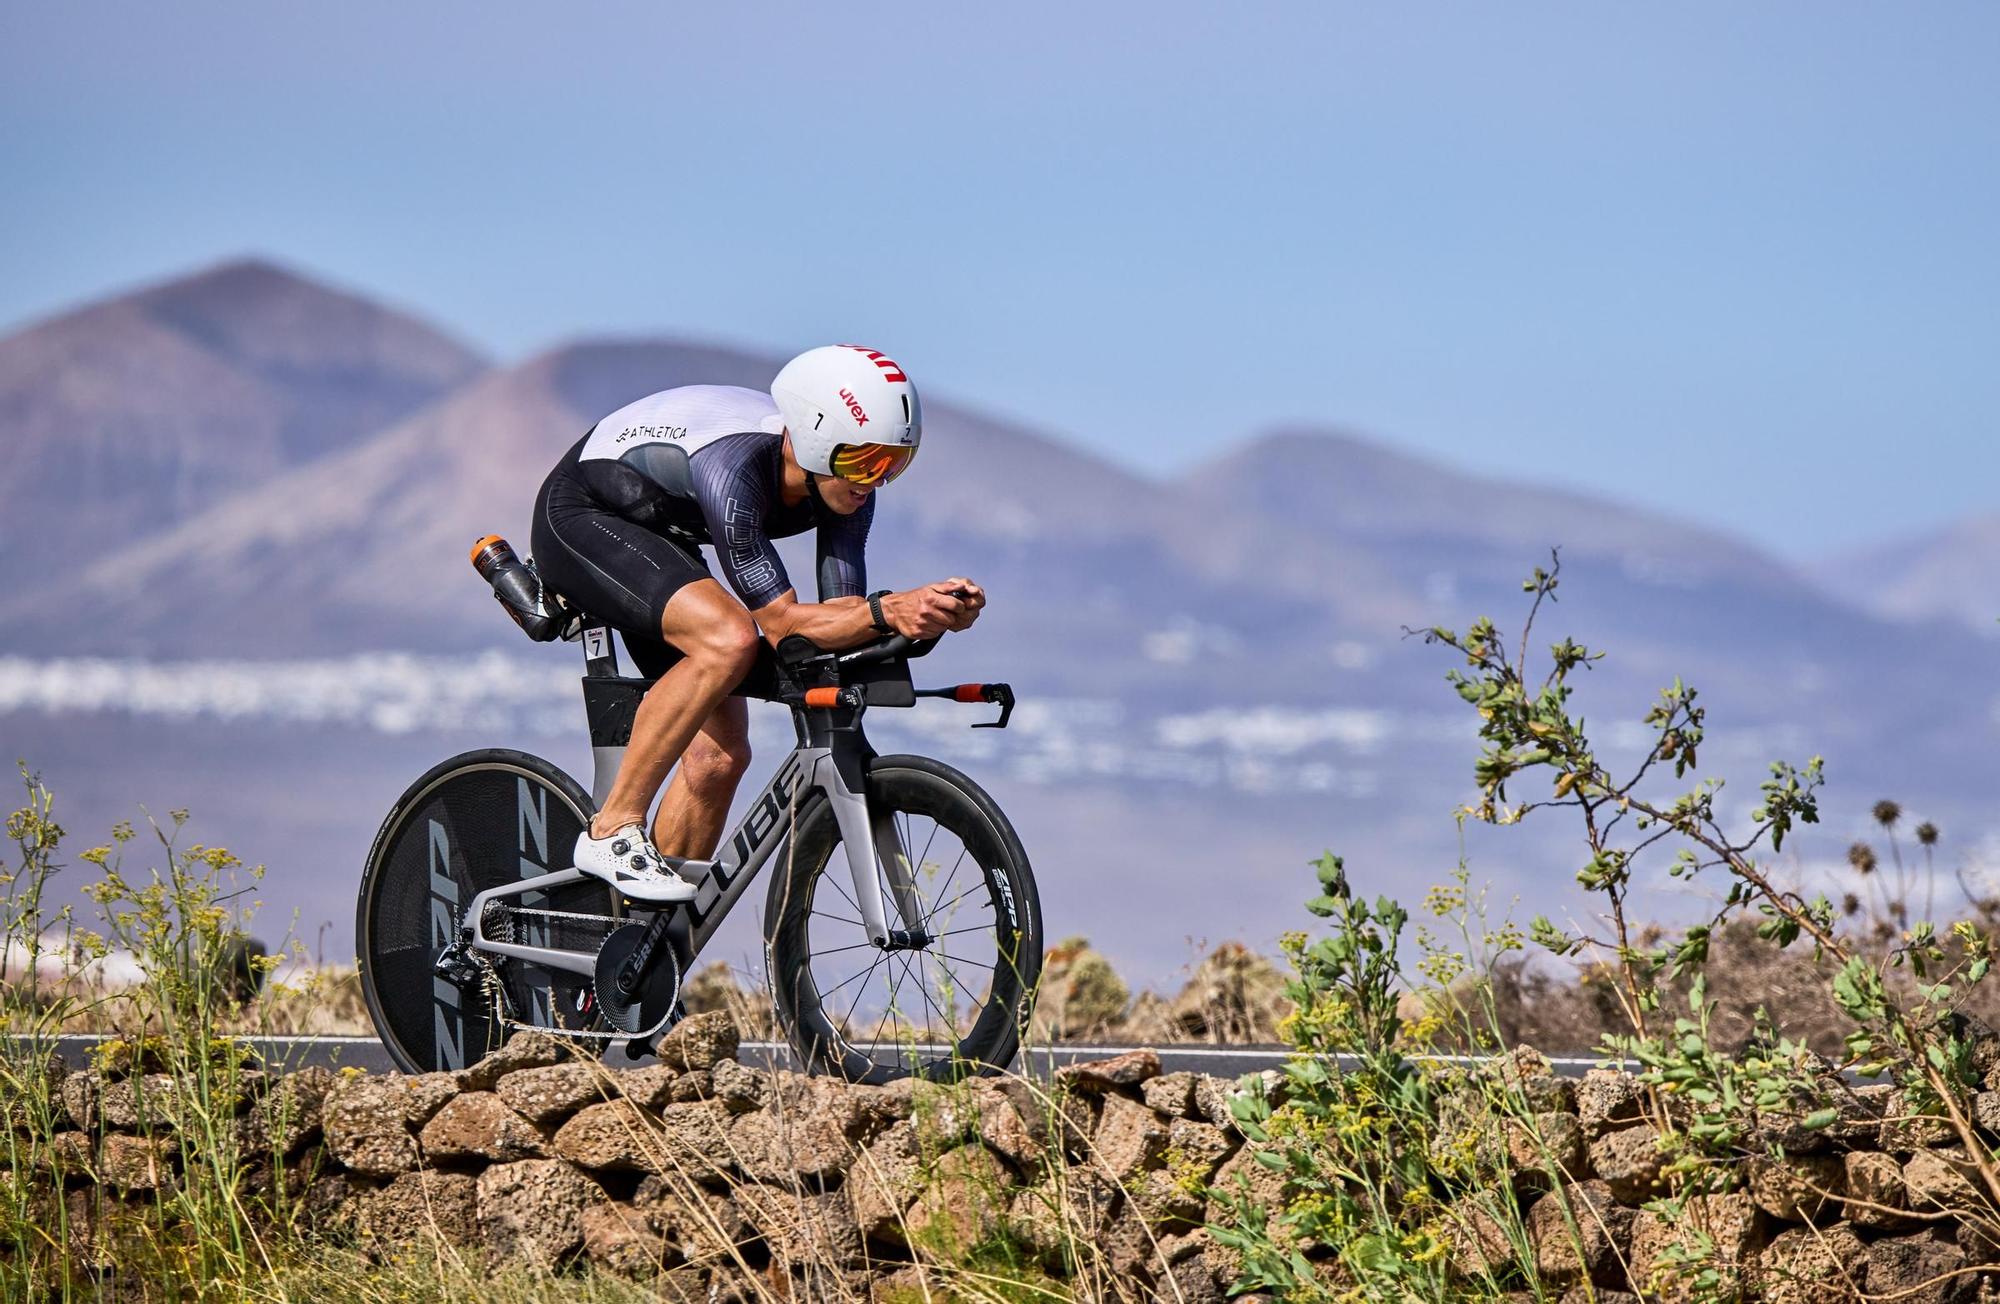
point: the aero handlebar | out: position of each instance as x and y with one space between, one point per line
895 645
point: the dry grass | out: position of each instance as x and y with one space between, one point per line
323 1002
1233 997
1569 1013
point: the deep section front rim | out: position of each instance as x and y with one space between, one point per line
956 1004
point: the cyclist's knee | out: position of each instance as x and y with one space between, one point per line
713 764
738 645
728 643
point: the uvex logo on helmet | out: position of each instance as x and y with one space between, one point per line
854 407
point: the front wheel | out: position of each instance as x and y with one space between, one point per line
477 821
959 1002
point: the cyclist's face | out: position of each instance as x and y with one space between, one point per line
843 496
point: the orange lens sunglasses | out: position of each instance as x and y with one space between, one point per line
871 463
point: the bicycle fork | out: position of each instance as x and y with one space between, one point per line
874 850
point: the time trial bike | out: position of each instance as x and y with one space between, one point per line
918 953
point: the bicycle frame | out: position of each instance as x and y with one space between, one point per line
831 756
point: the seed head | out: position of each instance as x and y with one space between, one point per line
1862 857
1850 905
1887 813
1927 833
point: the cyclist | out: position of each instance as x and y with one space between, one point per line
616 531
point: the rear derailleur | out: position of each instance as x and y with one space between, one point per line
456 964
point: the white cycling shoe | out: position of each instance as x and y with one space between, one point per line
629 862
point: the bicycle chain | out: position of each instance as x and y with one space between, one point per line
565 914
590 1034
497 927
518 1025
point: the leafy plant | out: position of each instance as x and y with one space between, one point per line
1533 741
170 1056
1382 1157
1399 1172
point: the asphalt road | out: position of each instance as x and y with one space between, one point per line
368 1053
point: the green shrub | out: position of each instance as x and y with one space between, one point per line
1390 1166
183 919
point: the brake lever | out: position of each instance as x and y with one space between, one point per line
1001 695
1004 695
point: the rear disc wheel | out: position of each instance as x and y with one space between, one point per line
477 821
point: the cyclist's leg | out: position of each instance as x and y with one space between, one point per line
654 587
718 642
696 804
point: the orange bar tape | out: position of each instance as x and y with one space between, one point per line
969 693
823 697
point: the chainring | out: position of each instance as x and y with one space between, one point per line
653 1005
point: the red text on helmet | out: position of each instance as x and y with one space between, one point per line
854 407
888 365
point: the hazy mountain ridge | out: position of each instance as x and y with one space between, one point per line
1317 521
1244 581
1218 659
1951 574
1367 492
131 414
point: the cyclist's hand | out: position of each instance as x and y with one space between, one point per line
967 592
922 613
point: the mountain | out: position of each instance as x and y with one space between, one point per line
1215 675
1951 574
132 414
1438 544
365 547
1367 493
1245 582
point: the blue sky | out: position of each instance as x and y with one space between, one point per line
1739 262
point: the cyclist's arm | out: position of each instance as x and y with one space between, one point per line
841 618
846 622
836 623
843 553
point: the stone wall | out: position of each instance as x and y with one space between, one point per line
1879 1205
708 1178
713 1180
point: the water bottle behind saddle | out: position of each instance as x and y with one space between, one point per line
519 589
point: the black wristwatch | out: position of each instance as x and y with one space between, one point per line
875 610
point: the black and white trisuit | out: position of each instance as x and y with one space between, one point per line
620 520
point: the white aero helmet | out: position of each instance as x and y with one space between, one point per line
852 413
